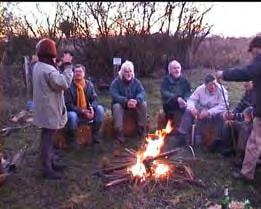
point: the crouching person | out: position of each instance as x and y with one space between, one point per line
48 98
82 106
206 105
230 132
128 94
243 130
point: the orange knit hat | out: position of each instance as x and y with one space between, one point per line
46 47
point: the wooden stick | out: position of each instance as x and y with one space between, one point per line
117 181
164 154
108 170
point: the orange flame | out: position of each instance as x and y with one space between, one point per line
152 149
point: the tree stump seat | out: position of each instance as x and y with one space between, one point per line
130 126
83 136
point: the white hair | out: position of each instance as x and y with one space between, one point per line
172 63
127 65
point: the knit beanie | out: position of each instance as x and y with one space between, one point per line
209 78
46 48
255 43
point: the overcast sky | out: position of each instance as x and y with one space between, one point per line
234 19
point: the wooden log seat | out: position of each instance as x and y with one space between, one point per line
129 125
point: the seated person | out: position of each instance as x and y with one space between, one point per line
237 114
206 104
128 94
175 90
243 130
82 106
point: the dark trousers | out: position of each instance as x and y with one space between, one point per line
48 152
173 112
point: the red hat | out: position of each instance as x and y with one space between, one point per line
46 47
255 43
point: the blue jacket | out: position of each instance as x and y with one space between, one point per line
71 99
250 72
122 91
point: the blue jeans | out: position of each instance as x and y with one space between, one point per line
74 119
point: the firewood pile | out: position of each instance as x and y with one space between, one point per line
149 163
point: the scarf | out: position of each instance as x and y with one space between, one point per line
80 95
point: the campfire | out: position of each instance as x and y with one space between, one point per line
149 163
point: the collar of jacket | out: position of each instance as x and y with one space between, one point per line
126 82
173 80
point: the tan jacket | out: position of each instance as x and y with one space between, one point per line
48 95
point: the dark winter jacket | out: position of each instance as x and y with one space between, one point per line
172 88
251 72
122 91
246 101
71 97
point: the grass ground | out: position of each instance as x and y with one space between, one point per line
27 189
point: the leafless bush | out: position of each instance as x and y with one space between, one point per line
222 52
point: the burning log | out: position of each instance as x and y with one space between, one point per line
163 155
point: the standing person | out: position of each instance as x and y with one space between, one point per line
48 97
252 71
81 103
175 90
128 94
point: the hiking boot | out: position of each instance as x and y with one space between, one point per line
52 175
